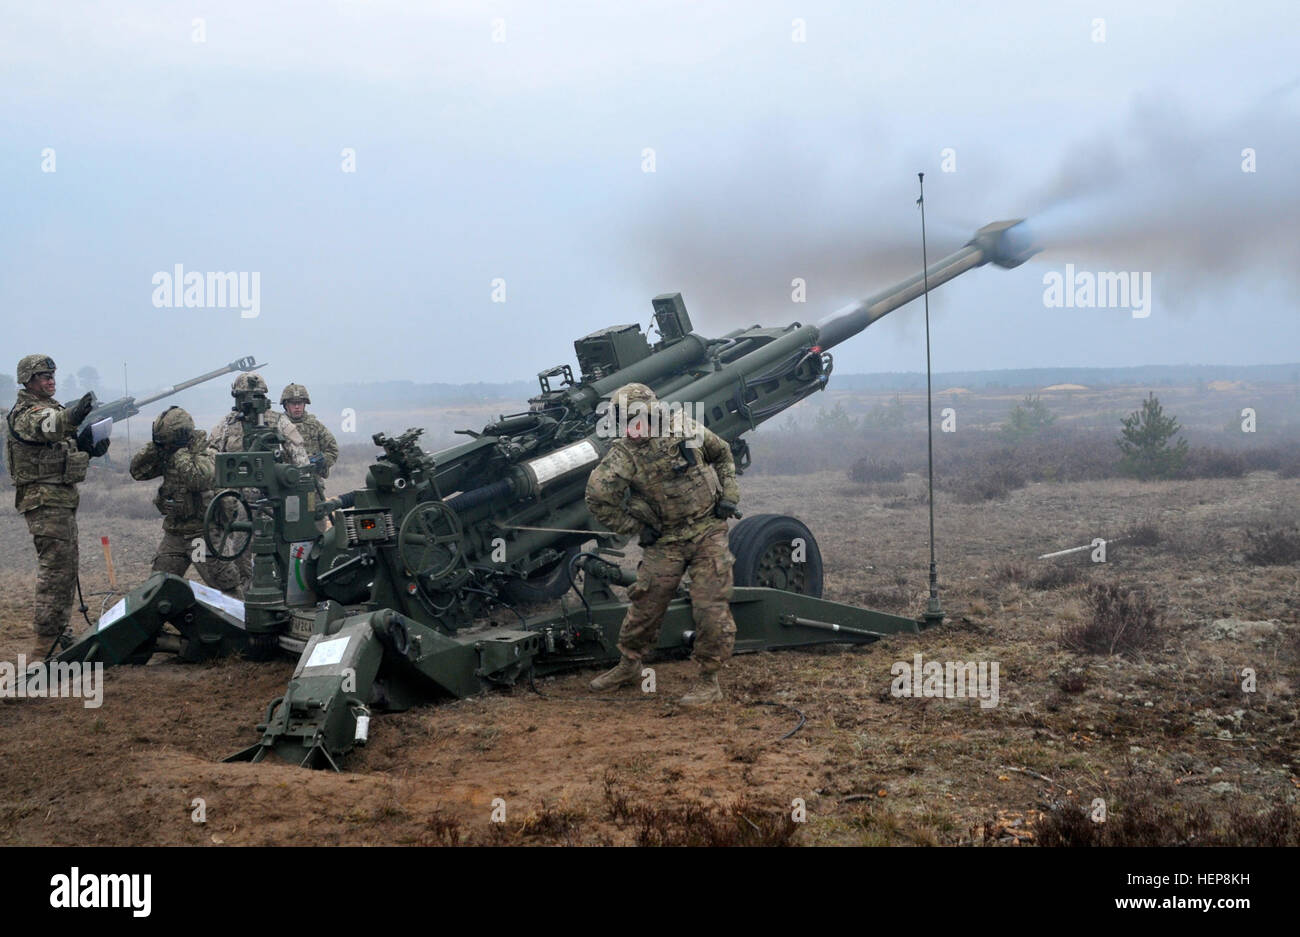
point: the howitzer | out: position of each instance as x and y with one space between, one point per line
123 408
385 607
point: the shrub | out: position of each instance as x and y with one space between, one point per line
1272 547
1142 535
1213 463
1122 621
870 469
1056 577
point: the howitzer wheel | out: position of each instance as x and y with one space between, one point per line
429 541
222 519
776 552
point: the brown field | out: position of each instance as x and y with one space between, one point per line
1162 733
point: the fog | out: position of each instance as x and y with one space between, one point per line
388 172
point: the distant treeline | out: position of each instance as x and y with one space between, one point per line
390 393
395 394
1154 375
409 393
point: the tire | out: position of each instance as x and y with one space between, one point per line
763 548
545 584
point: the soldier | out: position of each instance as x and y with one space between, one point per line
251 404
322 447
249 391
46 465
181 457
675 486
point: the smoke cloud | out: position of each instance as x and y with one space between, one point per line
1160 189
1190 201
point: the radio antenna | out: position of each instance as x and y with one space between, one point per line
933 610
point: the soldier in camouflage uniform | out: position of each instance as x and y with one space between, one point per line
181 457
46 464
249 391
675 486
228 435
322 447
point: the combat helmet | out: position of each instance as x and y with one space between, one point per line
632 393
173 426
294 392
249 383
630 405
31 365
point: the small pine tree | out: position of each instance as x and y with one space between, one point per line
1027 419
836 420
1144 442
885 415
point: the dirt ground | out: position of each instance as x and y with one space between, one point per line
868 767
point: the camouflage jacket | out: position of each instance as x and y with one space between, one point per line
187 480
41 454
228 436
319 441
651 483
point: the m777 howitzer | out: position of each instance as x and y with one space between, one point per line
384 608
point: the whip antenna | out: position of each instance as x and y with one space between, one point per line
933 610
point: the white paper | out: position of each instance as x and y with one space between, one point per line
112 615
214 598
101 429
328 652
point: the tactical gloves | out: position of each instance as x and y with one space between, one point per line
725 509
648 536
86 443
317 464
81 409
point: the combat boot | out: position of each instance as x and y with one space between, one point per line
628 671
704 692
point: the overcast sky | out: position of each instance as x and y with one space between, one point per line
524 160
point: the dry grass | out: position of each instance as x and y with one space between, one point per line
1147 811
740 823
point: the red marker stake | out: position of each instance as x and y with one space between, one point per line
108 561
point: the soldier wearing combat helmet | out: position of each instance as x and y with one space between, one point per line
47 457
322 447
253 409
180 456
673 481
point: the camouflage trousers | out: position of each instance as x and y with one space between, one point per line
174 555
54 531
244 563
708 561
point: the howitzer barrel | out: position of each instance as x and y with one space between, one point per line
765 371
1003 243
